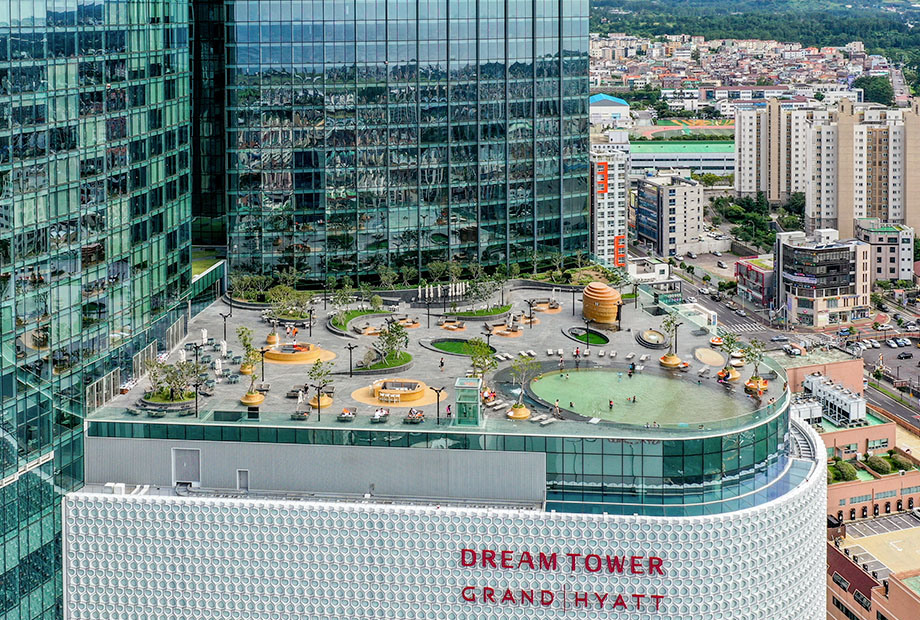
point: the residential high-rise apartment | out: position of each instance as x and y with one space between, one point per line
669 213
610 202
850 161
865 161
94 247
390 132
771 149
821 280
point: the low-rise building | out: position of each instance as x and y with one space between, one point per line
669 213
821 280
755 279
609 111
892 248
700 156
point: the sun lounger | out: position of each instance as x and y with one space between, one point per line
559 352
594 420
630 356
522 353
640 367
643 357
600 353
498 405
586 353
549 352
613 354
531 353
539 418
547 421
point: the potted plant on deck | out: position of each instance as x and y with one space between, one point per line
252 397
753 354
730 344
669 326
522 370
244 334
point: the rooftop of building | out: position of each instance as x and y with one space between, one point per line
886 545
816 355
764 262
828 426
682 146
601 98
668 403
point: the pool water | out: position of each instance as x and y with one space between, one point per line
659 398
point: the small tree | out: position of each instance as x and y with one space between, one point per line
481 356
879 465
341 298
179 376
753 354
387 276
409 274
320 373
262 283
669 327
523 369
707 278
392 341
155 371
437 269
514 271
364 292
477 272
730 344
376 302
251 357
244 334
289 277
453 272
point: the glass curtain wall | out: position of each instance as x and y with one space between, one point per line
364 133
94 244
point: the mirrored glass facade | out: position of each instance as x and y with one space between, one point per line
94 245
371 132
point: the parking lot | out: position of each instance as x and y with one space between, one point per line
901 369
709 262
885 544
882 525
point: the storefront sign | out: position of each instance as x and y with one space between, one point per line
567 597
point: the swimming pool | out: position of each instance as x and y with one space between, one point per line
663 399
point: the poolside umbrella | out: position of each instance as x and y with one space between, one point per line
218 365
181 355
223 348
204 336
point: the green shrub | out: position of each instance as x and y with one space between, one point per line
901 462
830 476
878 464
846 471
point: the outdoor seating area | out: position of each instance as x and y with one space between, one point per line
301 353
397 390
451 325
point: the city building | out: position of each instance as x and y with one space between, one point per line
864 162
609 111
771 149
669 213
609 205
700 156
821 280
873 574
642 514
381 136
755 279
94 248
892 249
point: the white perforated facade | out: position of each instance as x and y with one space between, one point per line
146 557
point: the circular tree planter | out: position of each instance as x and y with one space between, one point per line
755 385
729 374
253 400
518 412
246 369
669 360
273 338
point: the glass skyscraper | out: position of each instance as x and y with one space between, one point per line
370 132
94 246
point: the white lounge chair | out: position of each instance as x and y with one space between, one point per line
600 353
549 352
613 354
531 353
522 353
498 405
560 352
630 356
539 418
586 353
644 357
547 421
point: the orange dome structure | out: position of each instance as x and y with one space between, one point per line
601 303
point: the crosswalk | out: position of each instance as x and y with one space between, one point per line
741 328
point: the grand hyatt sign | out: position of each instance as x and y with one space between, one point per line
564 598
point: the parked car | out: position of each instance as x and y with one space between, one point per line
722 264
911 327
904 342
875 343
905 355
717 253
779 339
885 327
691 254
891 343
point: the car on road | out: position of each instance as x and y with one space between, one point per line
904 355
703 290
891 343
740 312
875 343
911 327
717 253
730 304
779 339
883 307
885 328
691 299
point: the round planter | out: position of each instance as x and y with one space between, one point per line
325 402
669 360
273 339
731 375
519 413
246 369
755 385
252 400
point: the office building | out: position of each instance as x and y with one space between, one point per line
755 279
892 249
379 133
714 509
669 213
94 248
609 205
821 280
699 156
